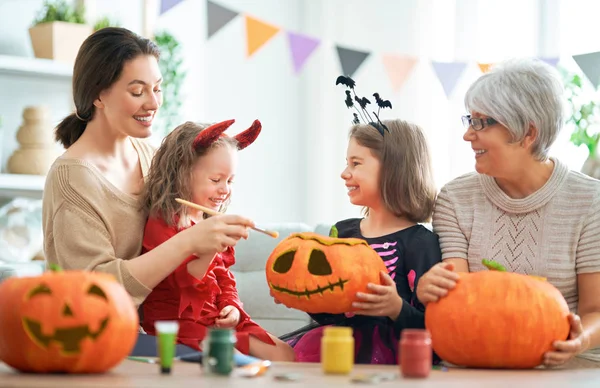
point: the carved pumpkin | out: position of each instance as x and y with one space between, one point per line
319 274
72 321
496 319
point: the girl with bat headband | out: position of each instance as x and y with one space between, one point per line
388 172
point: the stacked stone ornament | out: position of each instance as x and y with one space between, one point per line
37 149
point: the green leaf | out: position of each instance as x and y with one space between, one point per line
55 268
493 266
170 63
333 232
105 22
584 119
59 11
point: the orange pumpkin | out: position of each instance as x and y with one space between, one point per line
71 321
319 274
494 319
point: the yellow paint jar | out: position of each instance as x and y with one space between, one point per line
337 350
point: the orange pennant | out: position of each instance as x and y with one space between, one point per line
485 67
258 33
398 67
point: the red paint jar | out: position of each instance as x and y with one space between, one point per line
415 353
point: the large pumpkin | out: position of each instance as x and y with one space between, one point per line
320 274
495 319
71 321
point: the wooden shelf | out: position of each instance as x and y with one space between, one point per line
34 67
18 185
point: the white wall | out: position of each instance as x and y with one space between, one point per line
292 172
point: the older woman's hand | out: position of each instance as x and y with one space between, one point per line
577 343
436 282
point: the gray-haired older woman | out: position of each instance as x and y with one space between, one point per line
521 208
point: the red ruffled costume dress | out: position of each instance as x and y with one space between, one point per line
195 303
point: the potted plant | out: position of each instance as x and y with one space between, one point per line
584 119
58 31
104 22
170 63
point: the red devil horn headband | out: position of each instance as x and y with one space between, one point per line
212 133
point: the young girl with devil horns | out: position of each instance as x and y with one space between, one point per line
388 172
197 163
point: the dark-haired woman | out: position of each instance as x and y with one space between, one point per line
91 212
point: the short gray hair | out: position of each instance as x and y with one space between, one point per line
519 93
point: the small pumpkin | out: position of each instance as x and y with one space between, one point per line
497 319
66 321
320 274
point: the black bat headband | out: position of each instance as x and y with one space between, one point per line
362 102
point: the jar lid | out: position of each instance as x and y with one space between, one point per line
336 331
220 333
415 334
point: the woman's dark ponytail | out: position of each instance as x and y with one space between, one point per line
69 130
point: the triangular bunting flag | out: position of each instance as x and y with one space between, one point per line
398 67
166 5
485 67
351 60
301 46
590 65
258 33
551 61
218 16
448 73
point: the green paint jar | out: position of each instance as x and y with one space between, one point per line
218 348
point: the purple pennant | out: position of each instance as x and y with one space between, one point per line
302 47
448 73
551 61
166 5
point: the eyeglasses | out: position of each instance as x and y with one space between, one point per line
477 123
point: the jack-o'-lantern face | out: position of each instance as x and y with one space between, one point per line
318 274
67 328
72 321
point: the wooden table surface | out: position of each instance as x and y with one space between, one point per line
137 374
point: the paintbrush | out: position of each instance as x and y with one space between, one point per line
212 212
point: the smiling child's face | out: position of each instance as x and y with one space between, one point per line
212 177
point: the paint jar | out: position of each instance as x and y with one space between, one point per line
218 349
415 353
337 350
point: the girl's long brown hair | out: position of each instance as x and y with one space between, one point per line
170 174
406 178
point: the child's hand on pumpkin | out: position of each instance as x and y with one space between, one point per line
383 301
228 317
578 342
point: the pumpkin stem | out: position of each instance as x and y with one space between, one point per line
333 232
493 266
54 268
